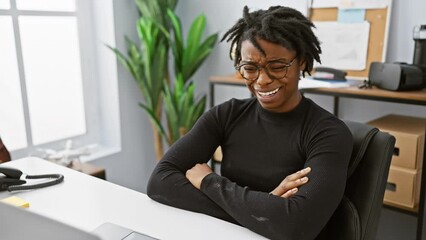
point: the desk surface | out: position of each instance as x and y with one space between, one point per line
86 202
412 97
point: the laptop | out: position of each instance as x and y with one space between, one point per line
17 223
111 231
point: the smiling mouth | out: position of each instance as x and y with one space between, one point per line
270 93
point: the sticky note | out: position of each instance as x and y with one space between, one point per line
351 15
16 201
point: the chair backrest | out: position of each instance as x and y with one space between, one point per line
358 214
4 153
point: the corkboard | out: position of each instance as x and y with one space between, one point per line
378 19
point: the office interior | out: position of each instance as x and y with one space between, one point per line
132 157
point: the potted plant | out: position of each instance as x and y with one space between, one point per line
160 32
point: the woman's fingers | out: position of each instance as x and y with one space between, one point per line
197 173
299 174
291 182
290 192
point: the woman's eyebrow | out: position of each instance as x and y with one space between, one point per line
278 60
283 60
248 61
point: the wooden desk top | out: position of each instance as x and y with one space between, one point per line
413 97
419 95
234 79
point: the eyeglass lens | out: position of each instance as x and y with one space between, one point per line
275 70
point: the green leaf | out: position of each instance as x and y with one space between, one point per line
177 41
122 59
172 115
198 110
154 119
201 55
187 105
194 37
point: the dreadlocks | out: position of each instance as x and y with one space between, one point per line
280 25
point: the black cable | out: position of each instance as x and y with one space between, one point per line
54 179
366 84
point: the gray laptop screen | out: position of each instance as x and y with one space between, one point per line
111 231
18 223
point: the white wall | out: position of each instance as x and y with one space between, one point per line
131 167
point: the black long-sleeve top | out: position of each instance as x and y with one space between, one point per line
260 148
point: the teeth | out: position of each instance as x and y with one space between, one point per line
264 94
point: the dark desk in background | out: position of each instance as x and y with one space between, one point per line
375 94
90 169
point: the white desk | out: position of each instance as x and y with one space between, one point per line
86 202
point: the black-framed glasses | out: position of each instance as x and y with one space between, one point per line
275 70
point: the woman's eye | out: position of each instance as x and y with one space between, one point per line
277 67
250 68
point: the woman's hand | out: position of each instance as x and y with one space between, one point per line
289 186
197 173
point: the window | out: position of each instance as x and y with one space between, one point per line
4 4
51 84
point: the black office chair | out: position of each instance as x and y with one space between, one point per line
358 214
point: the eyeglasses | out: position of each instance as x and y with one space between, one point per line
275 70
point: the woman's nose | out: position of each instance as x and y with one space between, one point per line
263 78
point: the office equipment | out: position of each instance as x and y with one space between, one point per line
86 202
111 231
326 73
11 179
17 224
396 76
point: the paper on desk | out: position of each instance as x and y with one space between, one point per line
344 45
305 83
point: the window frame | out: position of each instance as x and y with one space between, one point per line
95 20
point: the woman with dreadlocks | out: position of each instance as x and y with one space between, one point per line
285 159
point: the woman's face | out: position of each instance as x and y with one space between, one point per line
274 92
